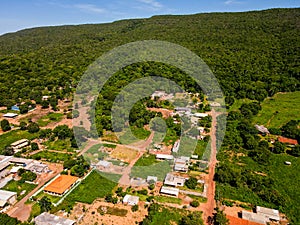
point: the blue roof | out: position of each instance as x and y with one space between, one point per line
15 108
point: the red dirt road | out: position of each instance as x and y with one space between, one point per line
208 207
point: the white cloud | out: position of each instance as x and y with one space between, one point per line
89 8
231 2
152 4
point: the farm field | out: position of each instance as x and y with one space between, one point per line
279 109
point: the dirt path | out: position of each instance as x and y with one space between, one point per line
208 207
21 211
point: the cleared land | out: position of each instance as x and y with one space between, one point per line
279 109
124 154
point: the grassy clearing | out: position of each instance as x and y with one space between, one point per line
165 199
159 170
53 199
35 211
15 135
60 145
187 146
167 216
200 148
279 109
198 198
51 156
93 187
17 186
146 160
50 117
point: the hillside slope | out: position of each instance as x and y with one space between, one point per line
253 54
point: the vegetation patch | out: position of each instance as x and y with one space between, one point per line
112 211
279 109
50 117
51 156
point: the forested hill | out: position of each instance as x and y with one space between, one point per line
253 54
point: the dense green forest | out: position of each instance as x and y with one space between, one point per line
253 54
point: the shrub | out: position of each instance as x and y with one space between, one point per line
195 203
134 208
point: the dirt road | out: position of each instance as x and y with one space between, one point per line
208 207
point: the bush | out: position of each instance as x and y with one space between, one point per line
151 187
33 127
34 146
191 183
134 208
195 203
5 125
143 192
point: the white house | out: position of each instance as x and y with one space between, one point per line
131 200
174 181
169 191
10 115
18 145
164 157
176 146
50 219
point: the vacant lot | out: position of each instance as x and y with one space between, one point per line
124 153
279 109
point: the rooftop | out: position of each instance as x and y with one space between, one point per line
61 184
5 195
50 219
288 140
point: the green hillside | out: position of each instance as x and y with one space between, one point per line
253 54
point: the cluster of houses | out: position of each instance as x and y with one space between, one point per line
288 141
9 166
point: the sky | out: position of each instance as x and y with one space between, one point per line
20 14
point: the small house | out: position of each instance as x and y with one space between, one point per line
10 115
169 191
130 200
164 157
174 181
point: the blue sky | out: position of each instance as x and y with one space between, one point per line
20 14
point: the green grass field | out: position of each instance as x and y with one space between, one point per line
146 160
93 187
279 109
50 117
17 186
159 170
166 199
15 135
51 156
